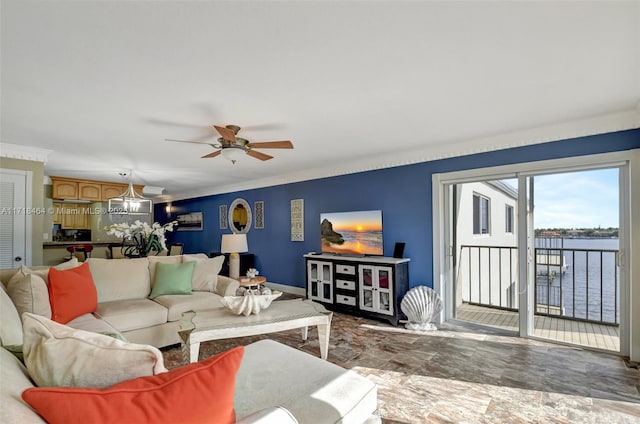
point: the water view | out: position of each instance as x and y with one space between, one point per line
589 286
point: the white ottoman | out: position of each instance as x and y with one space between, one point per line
313 390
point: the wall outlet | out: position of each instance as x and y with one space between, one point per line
45 236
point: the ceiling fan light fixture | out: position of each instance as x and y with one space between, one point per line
232 153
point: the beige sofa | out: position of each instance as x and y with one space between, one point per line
269 387
124 307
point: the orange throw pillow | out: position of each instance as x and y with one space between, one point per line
72 293
201 392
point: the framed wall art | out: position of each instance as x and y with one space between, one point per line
190 221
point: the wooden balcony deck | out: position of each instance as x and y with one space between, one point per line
597 336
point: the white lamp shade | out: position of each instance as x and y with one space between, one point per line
234 243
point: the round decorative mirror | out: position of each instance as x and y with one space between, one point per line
240 216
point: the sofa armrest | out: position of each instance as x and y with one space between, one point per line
271 415
226 286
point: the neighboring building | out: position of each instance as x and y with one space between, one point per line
486 240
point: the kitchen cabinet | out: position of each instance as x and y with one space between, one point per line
57 213
96 191
65 189
75 217
113 190
89 191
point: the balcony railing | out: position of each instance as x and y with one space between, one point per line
572 283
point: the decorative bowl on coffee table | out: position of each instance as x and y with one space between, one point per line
249 303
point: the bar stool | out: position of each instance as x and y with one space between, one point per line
85 249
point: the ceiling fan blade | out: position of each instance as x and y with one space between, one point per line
264 127
212 154
226 133
272 145
176 124
259 155
189 141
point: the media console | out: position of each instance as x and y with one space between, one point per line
365 285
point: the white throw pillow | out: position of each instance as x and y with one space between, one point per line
57 355
10 325
30 294
205 274
43 273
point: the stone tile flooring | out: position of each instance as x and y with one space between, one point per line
466 374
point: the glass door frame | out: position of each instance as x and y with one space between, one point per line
629 166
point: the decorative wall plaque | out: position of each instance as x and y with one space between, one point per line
258 210
223 217
297 220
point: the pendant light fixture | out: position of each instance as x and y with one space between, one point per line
130 202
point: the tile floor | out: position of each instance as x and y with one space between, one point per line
465 374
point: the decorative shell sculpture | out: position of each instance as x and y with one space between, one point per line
249 303
421 305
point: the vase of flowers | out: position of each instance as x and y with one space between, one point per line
140 239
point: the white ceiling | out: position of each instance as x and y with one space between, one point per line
354 85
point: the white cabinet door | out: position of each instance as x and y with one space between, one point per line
376 289
320 278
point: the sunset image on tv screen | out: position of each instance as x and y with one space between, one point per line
352 232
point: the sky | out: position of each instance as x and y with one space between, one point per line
585 199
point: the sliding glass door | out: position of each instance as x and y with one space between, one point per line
536 251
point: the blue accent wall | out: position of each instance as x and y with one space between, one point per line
402 193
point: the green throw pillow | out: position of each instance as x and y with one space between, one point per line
172 279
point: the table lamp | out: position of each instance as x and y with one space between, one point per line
234 244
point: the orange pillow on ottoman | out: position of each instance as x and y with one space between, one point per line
71 293
201 392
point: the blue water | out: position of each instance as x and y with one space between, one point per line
590 284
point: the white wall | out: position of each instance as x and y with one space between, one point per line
487 276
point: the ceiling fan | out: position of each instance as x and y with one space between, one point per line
231 146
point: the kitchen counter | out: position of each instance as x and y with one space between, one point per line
55 252
70 243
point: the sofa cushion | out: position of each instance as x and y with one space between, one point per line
172 279
327 393
30 294
132 314
155 260
10 324
43 272
201 392
205 274
71 293
58 355
197 301
271 415
120 279
89 322
14 380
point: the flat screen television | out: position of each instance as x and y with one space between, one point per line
352 233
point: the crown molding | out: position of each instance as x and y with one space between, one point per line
14 151
443 149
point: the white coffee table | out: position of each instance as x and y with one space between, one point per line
220 323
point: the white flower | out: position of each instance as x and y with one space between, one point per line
141 231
